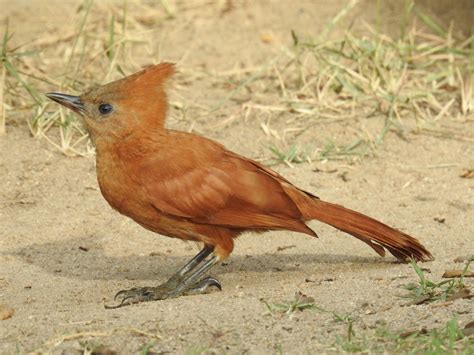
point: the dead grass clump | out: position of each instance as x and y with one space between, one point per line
95 50
413 83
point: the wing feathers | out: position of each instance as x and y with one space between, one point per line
232 193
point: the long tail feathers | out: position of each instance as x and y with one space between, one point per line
376 234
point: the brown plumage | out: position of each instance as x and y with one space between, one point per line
189 187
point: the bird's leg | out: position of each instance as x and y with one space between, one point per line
186 281
195 261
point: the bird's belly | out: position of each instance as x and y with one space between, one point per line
137 207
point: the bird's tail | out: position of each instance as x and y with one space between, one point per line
376 234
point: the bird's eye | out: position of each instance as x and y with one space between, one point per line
105 108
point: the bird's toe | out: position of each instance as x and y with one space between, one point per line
203 286
137 295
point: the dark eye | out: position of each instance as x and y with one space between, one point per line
105 108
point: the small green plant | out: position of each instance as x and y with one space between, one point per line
428 291
278 349
9 57
352 344
359 147
19 349
145 350
445 340
448 339
303 302
291 155
299 303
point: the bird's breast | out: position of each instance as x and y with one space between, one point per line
118 183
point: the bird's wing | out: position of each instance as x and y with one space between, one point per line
231 191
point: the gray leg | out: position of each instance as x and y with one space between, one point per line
203 254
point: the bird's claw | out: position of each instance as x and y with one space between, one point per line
136 295
145 294
203 286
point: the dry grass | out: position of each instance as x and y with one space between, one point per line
414 83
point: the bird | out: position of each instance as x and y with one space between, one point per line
186 186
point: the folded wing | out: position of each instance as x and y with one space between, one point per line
228 191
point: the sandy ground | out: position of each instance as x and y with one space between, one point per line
64 252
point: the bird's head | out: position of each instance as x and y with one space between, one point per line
135 103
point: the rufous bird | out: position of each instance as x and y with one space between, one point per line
186 186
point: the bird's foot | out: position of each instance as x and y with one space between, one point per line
170 289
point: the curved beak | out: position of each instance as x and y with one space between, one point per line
72 102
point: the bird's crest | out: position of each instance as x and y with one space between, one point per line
150 78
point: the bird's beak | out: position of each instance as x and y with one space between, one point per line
72 102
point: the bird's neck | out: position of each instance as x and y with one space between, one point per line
131 146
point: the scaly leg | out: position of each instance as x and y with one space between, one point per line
186 281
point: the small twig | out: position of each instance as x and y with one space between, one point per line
449 274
